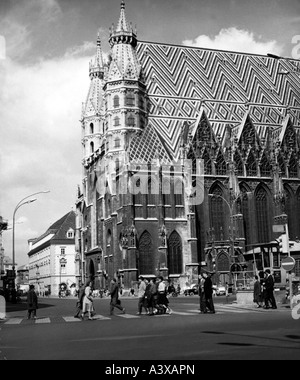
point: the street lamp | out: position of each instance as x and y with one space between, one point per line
22 202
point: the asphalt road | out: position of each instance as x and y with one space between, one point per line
233 333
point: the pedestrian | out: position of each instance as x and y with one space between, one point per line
32 302
114 297
208 292
141 295
269 285
202 294
257 296
79 303
152 300
162 296
88 304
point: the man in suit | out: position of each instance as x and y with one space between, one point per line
208 292
269 286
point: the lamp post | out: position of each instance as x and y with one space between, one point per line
22 202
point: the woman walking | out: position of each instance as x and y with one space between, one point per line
88 305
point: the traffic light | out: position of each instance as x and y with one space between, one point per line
283 244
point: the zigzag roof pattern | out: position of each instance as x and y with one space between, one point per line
180 80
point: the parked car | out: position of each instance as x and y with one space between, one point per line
219 290
191 290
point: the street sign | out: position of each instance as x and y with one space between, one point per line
288 263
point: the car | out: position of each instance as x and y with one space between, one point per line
220 290
191 290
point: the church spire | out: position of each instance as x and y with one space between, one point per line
97 67
122 24
123 33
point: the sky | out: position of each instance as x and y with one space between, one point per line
45 50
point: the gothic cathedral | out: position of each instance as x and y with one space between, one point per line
189 157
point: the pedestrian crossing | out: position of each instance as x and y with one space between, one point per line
220 309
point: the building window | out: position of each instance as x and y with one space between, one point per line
116 101
207 163
220 165
217 213
141 102
70 234
146 254
117 143
251 168
63 251
116 121
265 167
175 254
293 170
91 147
130 99
131 121
262 216
91 128
238 164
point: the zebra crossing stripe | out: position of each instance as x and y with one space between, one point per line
182 313
71 319
14 321
128 316
42 320
101 317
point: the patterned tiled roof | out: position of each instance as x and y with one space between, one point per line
181 79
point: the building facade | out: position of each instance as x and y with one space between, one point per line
189 156
52 257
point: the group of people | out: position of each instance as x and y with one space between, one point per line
152 296
263 293
206 293
85 303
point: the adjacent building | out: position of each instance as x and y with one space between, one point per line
51 256
189 156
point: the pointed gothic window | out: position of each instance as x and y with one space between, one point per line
91 128
293 167
116 101
248 135
130 99
281 164
92 147
116 121
290 211
175 253
262 215
246 214
220 165
265 167
146 254
238 164
251 168
223 264
179 192
207 163
217 212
